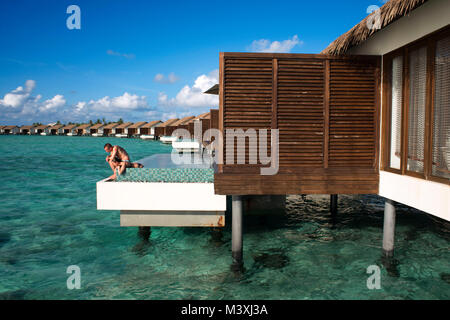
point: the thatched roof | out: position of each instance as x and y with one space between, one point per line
124 125
151 124
42 127
56 127
68 127
202 116
213 90
96 126
137 125
83 126
111 125
182 121
25 127
389 12
169 122
9 127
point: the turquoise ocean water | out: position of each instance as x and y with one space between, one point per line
49 221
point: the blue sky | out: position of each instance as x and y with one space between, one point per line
144 60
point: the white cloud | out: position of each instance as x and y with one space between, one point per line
124 102
53 104
18 97
118 54
193 96
265 45
171 78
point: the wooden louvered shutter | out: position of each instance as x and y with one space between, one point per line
416 109
396 101
247 97
300 113
441 116
352 114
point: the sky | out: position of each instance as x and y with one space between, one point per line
144 60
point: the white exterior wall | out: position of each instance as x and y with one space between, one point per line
132 196
163 204
428 196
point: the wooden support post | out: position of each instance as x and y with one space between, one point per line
388 229
333 204
236 233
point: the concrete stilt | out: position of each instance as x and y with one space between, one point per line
144 233
388 229
236 233
333 203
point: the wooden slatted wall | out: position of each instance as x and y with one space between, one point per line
326 110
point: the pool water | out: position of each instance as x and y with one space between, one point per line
49 221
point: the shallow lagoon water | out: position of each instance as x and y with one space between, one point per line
48 221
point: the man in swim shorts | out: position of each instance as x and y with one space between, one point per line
118 158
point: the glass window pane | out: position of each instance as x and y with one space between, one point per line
396 112
441 117
416 113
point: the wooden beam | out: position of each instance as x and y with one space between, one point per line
326 114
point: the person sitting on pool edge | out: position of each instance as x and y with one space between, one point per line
119 158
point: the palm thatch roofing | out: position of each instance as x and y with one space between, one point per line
25 127
151 124
182 121
83 126
97 126
168 122
124 125
111 125
9 127
68 127
213 90
389 12
56 127
42 127
137 125
202 116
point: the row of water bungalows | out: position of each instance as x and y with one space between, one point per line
144 130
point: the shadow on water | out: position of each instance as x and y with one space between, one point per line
391 265
273 259
4 238
142 247
13 295
445 277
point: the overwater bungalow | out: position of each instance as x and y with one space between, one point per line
10 130
194 143
108 129
1 129
161 129
204 119
119 131
180 124
83 129
96 130
40 130
147 131
69 130
134 128
55 129
25 129
369 115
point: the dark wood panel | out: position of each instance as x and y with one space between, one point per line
326 111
